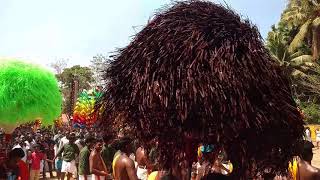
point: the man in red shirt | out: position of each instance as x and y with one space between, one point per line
23 170
36 158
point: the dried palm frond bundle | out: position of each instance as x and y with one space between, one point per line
197 68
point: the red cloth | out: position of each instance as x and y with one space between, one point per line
2 156
8 137
35 160
23 170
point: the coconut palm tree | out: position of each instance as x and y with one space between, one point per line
304 14
300 67
293 62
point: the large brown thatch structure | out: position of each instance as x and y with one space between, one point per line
198 69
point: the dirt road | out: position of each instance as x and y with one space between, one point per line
316 157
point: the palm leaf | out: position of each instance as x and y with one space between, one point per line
298 39
295 55
298 61
292 17
315 2
293 3
297 73
316 22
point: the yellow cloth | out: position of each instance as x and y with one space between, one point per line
228 166
114 164
199 152
153 175
293 167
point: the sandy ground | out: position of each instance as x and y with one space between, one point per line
316 157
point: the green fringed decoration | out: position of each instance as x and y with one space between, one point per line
27 92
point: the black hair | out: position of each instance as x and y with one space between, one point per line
268 176
89 139
107 137
306 150
122 143
99 139
168 177
136 144
16 152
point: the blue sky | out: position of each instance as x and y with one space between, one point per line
42 31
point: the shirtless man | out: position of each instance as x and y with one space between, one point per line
97 166
142 161
123 166
305 169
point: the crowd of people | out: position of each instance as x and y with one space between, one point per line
89 154
308 135
46 150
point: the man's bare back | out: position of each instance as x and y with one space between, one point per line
124 168
307 171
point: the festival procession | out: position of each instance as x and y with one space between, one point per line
199 91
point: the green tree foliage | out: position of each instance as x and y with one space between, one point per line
84 75
304 16
311 112
293 43
278 45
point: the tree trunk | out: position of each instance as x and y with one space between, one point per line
316 43
73 95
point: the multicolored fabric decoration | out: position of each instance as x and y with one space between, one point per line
27 92
84 114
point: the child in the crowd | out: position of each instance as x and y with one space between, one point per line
36 157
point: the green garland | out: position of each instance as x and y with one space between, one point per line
27 92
